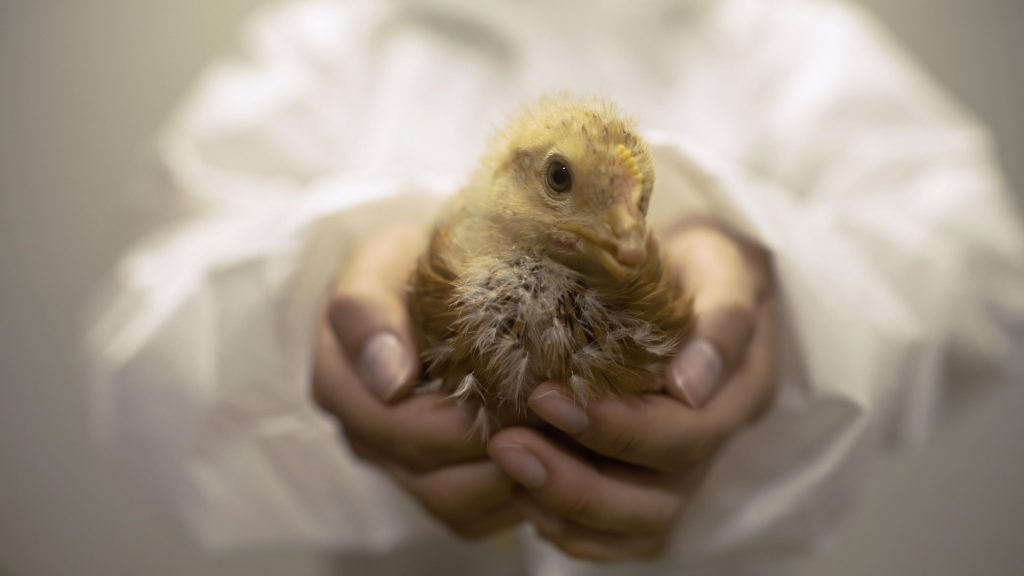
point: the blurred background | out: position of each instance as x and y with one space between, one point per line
86 85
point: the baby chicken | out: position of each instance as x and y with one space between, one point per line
543 268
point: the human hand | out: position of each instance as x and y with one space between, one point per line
617 495
366 362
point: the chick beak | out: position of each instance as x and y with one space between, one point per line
627 231
619 245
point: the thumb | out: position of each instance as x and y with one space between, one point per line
375 337
714 350
369 315
724 278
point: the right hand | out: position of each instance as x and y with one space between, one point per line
366 366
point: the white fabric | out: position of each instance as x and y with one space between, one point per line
900 262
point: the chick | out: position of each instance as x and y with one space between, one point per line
543 268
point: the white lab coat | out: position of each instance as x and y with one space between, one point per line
900 261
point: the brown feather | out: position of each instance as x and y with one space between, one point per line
497 307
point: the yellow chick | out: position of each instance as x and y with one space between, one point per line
543 268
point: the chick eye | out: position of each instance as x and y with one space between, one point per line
559 177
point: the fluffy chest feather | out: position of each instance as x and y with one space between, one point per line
519 322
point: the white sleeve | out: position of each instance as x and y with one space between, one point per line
203 354
902 190
899 258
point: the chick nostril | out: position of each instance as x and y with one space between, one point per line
622 222
622 227
631 255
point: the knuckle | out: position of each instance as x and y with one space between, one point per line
686 454
342 302
651 550
359 445
664 520
583 551
742 313
442 504
578 506
702 448
413 457
729 327
361 452
418 449
621 442
742 317
650 523
343 305
366 436
610 434
466 532
424 454
455 514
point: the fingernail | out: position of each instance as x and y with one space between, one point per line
695 372
385 364
560 411
520 464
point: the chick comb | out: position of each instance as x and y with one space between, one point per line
629 162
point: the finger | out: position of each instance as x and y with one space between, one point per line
752 387
584 543
369 315
473 499
714 349
491 523
655 431
647 430
725 283
423 432
611 500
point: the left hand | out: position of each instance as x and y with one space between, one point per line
425 443
618 494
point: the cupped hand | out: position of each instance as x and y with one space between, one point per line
366 365
615 491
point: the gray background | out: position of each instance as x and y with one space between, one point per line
84 87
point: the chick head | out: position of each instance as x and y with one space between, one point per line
571 179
